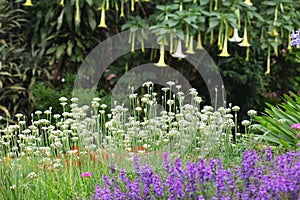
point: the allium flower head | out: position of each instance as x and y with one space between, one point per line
86 174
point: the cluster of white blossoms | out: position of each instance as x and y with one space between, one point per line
146 126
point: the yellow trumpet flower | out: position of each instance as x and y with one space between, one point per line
132 5
102 19
28 3
289 47
245 42
122 9
62 3
224 52
107 5
273 32
77 18
216 5
161 62
268 62
199 41
248 2
190 49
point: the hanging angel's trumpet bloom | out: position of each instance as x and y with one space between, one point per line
178 53
190 49
268 62
247 54
102 19
245 42
161 62
248 2
199 41
122 9
224 52
216 5
107 5
62 3
28 3
235 36
77 18
132 5
273 32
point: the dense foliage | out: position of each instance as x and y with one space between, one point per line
59 34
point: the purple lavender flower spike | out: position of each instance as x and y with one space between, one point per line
166 162
106 180
268 154
106 194
136 162
158 187
295 38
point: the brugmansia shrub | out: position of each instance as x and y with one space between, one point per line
258 176
276 123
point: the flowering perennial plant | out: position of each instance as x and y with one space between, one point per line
259 176
295 38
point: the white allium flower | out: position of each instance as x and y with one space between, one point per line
228 116
32 175
96 99
147 84
146 146
47 112
38 112
170 102
246 123
145 100
198 99
56 116
26 131
74 99
19 115
74 139
22 122
165 89
63 103
63 99
178 87
138 109
57 165
132 96
235 108
171 83
13 187
252 113
73 106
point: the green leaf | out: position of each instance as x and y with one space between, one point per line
92 20
60 20
170 23
70 47
60 50
51 50
269 3
90 2
213 23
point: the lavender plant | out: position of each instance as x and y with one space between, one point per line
258 176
